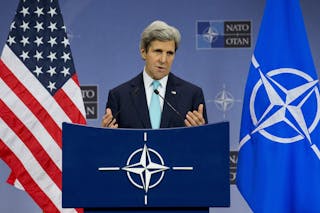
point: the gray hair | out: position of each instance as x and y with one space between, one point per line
161 31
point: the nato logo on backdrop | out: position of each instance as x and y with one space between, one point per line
223 34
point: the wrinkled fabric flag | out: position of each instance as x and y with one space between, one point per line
39 90
279 159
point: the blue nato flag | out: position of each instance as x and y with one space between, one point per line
279 158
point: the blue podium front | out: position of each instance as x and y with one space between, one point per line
133 170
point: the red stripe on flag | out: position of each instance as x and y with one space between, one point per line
34 106
26 180
12 178
76 80
83 119
69 107
80 210
32 143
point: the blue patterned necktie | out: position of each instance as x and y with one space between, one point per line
154 108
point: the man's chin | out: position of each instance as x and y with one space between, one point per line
161 75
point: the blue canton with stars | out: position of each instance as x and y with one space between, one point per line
38 38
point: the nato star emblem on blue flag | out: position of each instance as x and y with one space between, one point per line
279 159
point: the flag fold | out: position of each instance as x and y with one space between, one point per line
39 90
279 159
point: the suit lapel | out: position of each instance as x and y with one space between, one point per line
139 101
171 96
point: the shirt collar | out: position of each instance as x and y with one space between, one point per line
148 80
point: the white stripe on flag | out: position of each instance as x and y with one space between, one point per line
74 93
31 122
31 164
18 185
34 86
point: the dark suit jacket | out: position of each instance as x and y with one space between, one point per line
129 100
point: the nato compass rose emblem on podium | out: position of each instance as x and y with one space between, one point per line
292 103
145 163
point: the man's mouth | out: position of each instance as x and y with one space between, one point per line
161 68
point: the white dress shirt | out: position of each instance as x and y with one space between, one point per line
147 80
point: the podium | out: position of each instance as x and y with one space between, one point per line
144 170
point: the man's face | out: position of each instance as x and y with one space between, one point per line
159 58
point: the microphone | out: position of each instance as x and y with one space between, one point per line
167 102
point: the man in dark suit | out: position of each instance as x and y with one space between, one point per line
181 103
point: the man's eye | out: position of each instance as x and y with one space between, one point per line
170 53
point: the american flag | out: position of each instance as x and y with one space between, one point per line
39 90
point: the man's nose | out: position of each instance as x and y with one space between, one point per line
163 58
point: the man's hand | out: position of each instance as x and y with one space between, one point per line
195 118
108 120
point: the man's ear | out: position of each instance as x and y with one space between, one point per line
143 54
